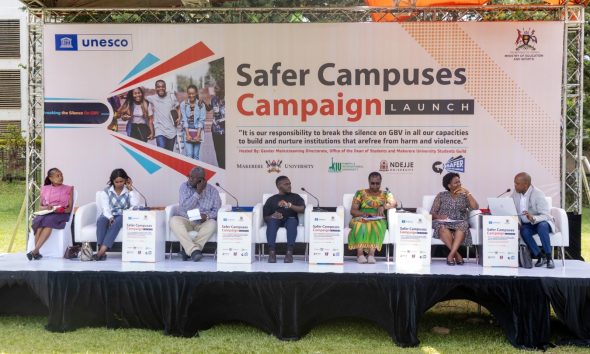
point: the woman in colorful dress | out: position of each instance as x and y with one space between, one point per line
369 222
55 196
450 214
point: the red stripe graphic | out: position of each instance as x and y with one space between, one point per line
195 53
174 163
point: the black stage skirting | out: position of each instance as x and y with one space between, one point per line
289 305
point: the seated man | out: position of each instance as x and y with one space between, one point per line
533 212
195 194
281 210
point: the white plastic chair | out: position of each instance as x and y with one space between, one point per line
59 240
260 226
387 239
561 236
474 223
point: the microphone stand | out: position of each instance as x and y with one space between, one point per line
237 208
145 207
317 208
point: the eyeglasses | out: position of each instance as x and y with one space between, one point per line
374 183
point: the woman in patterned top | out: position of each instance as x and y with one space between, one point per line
366 231
116 198
450 214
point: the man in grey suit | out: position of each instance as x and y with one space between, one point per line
533 211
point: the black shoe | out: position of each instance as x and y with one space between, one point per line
550 264
37 256
196 255
185 257
289 256
541 261
30 256
272 256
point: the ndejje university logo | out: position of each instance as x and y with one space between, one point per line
93 42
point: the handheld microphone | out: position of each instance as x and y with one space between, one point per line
145 204
231 195
314 197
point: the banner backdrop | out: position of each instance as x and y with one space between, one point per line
324 104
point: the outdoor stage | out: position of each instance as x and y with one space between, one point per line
287 300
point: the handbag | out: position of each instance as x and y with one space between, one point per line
86 252
524 257
72 252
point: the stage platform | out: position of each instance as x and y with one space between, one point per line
287 300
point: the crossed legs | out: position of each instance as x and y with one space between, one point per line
453 240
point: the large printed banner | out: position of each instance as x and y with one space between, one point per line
324 104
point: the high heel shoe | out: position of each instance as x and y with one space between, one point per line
451 262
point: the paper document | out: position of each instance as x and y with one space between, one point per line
371 218
194 214
45 212
448 220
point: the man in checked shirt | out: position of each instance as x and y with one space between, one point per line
195 194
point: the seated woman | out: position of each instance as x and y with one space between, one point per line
55 196
450 213
369 234
114 200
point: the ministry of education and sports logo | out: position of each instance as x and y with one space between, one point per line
526 46
525 39
454 164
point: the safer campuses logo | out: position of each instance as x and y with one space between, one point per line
454 164
93 42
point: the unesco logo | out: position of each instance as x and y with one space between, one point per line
93 42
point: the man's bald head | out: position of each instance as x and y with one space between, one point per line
522 182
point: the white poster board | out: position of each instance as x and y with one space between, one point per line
413 233
144 236
326 237
500 241
235 241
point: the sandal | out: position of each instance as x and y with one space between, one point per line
460 261
451 263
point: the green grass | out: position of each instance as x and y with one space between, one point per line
470 332
11 198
